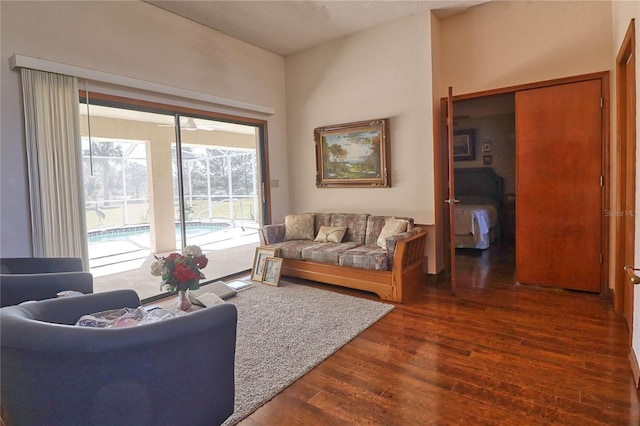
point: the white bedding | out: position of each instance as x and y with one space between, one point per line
475 221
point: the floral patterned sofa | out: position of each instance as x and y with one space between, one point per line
380 254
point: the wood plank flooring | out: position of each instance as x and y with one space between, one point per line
496 353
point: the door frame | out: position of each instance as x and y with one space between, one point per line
624 89
442 156
625 165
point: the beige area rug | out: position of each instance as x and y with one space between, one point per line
285 331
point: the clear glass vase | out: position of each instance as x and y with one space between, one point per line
184 304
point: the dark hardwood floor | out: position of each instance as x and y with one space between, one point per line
496 353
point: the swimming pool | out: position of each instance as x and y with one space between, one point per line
142 232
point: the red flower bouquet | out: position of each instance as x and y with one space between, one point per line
180 272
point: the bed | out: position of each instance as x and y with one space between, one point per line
477 216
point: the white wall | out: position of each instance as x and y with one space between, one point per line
623 12
137 40
379 73
506 43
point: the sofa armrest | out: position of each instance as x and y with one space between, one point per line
409 246
392 241
270 234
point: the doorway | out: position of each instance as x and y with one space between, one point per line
510 200
490 121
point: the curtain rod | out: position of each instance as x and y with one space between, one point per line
21 61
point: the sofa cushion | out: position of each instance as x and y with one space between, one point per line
292 249
322 219
326 252
330 234
392 227
299 227
366 257
356 225
374 226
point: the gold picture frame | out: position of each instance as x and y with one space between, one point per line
353 155
272 270
259 259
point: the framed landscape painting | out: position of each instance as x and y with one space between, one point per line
353 154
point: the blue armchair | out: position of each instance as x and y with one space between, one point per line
178 371
36 278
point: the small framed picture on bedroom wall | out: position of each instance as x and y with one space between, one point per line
486 160
463 145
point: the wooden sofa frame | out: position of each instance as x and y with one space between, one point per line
400 284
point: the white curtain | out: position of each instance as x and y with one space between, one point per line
52 126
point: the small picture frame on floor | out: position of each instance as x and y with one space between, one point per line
262 253
272 269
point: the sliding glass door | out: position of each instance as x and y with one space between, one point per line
156 181
219 174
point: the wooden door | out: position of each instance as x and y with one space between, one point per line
558 182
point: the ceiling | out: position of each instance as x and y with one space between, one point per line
290 26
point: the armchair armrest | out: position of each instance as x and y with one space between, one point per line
270 234
67 310
18 288
40 265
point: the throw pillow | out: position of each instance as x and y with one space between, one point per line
392 227
298 226
331 234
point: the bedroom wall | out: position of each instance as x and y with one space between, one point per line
137 40
499 131
383 72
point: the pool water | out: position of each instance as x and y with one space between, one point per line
142 232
